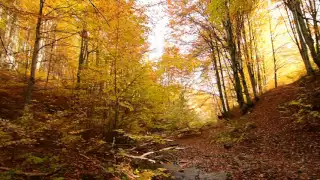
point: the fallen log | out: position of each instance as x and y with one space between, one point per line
140 157
144 156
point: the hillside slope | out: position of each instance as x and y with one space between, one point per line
280 139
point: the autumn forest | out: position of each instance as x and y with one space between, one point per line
153 89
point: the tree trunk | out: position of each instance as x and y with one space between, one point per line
299 40
233 54
10 43
304 51
295 8
27 53
241 72
275 68
8 40
35 55
307 36
264 73
114 122
219 84
223 83
245 87
50 58
258 69
82 55
249 62
314 13
259 72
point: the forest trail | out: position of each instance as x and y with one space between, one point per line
268 143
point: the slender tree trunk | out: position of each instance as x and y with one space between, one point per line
82 55
50 58
259 73
299 40
35 55
233 54
245 87
42 61
295 7
5 39
275 68
307 36
254 62
11 42
8 40
255 44
98 64
314 13
264 73
275 72
27 53
304 51
114 122
217 102
243 77
81 61
219 84
249 63
3 51
223 82
98 57
87 54
252 80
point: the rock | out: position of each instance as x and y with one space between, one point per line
143 164
182 174
216 176
315 101
191 173
314 128
187 133
87 176
194 174
228 145
173 144
250 126
120 138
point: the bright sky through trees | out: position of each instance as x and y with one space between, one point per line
158 24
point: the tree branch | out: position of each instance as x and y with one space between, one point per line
99 12
144 156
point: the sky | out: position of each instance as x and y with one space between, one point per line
158 24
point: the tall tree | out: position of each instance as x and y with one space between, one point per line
35 55
301 23
300 41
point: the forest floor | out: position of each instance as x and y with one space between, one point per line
278 139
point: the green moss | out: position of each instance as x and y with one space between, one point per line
237 133
315 114
58 178
70 139
31 159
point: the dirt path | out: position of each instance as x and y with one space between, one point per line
276 148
